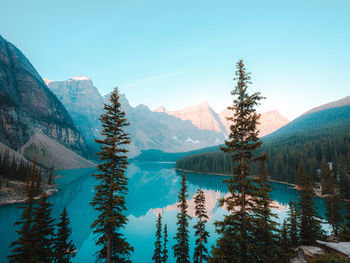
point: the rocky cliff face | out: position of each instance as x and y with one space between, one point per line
163 131
83 101
202 116
27 105
270 121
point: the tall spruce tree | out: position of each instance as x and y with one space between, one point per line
22 248
292 224
43 230
332 200
345 228
157 254
165 249
181 248
266 240
285 252
111 189
310 221
63 248
236 242
200 250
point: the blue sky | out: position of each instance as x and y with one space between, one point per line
180 53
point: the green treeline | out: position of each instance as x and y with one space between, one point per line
284 157
11 169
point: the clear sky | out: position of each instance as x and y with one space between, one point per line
180 53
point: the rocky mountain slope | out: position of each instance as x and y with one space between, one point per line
270 121
50 153
202 116
27 105
334 104
183 130
83 102
159 130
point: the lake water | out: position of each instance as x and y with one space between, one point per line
153 188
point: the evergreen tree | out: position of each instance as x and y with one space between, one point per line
51 176
43 230
63 248
22 248
236 242
332 200
165 241
310 221
157 255
345 228
265 238
292 224
286 252
327 178
181 248
111 190
333 214
200 251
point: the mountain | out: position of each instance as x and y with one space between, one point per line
325 119
50 153
83 102
321 133
202 116
270 121
335 104
27 106
182 130
165 132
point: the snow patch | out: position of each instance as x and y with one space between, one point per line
192 141
80 78
174 138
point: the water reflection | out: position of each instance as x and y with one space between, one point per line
153 189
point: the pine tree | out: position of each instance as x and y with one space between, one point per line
236 243
111 190
200 251
157 255
165 241
181 248
63 248
292 224
332 200
43 230
345 228
51 176
333 214
22 248
310 221
327 180
265 242
286 252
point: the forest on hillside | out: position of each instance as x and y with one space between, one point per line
285 154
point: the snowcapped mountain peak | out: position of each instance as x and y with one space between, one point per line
80 78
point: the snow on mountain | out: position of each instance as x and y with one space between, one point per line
80 78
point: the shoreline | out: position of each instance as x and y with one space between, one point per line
317 193
188 171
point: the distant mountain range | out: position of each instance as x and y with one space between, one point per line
320 133
187 129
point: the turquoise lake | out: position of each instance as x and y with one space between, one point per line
153 188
